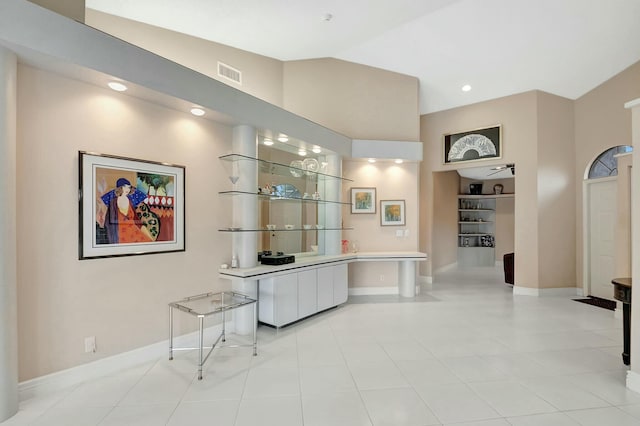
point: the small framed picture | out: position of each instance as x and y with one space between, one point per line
363 200
392 213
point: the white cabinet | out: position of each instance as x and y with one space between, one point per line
340 284
278 300
325 287
288 298
307 293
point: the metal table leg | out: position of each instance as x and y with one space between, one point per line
255 329
200 344
170 333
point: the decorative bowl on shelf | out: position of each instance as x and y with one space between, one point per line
289 227
296 168
319 226
271 227
306 226
310 165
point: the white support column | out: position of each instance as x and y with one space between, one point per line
333 212
245 216
8 258
407 278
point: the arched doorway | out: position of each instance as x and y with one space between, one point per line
600 204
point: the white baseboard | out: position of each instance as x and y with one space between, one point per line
70 377
547 292
369 291
633 381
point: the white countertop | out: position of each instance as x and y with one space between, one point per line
306 261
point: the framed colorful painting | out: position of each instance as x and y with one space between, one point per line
129 206
392 213
363 200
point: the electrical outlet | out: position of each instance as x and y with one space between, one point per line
90 344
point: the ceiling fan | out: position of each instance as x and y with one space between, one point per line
498 169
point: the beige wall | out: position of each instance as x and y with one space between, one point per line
623 220
445 214
517 115
537 135
392 182
122 301
556 192
356 100
261 76
601 122
73 9
505 227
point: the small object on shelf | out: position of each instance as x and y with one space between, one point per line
224 266
475 188
314 248
310 165
289 227
319 226
234 261
271 227
497 188
277 259
234 228
306 196
306 226
466 242
296 168
316 195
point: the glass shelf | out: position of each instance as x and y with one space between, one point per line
283 230
268 197
281 169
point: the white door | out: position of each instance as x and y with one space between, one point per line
601 229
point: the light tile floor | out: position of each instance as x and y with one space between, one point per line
465 352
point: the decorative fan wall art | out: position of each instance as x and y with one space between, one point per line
473 145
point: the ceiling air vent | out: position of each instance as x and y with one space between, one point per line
229 73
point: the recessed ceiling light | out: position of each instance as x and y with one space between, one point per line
316 149
399 161
198 112
372 160
267 142
117 86
327 17
302 152
466 87
283 138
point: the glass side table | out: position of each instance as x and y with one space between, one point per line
204 305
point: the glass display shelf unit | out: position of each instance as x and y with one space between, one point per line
270 197
282 169
283 229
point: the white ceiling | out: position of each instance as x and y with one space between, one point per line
499 47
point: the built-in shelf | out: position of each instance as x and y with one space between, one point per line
472 222
484 196
276 198
281 169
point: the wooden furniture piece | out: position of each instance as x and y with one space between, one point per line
622 292
208 304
